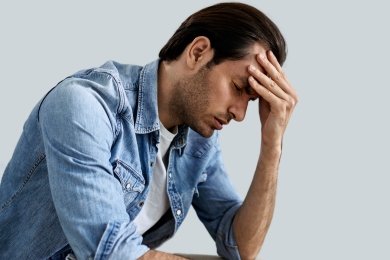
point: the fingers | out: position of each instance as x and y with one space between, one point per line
272 79
274 61
274 70
263 91
267 83
279 76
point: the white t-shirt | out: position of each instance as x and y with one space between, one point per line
157 202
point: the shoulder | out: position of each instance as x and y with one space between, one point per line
106 84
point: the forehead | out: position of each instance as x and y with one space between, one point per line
240 67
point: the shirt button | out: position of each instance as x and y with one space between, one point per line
128 186
141 204
170 175
178 212
151 164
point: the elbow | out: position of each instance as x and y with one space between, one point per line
246 254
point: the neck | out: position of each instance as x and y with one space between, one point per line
165 88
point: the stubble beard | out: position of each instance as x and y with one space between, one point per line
190 101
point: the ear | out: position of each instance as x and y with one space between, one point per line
198 52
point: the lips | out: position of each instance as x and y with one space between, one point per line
219 123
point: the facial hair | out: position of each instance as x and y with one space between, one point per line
190 101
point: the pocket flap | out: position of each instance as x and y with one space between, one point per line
130 179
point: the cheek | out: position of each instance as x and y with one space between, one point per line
219 102
219 86
220 91
224 94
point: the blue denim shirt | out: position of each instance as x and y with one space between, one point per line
82 168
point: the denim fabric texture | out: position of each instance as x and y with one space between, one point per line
82 168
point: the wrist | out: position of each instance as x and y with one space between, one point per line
271 141
270 154
271 146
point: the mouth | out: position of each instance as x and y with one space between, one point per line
218 123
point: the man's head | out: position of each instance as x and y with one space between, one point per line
231 29
207 61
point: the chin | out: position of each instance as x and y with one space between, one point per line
207 135
203 131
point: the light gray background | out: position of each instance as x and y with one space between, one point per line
333 189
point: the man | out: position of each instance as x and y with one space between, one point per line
111 159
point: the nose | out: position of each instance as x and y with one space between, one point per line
238 109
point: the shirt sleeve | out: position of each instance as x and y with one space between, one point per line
77 126
216 205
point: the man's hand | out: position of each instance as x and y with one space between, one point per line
154 255
277 101
277 98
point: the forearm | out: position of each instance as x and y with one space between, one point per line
253 219
277 102
154 254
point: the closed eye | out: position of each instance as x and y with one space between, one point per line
248 90
238 89
251 93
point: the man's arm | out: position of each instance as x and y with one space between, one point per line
277 101
77 133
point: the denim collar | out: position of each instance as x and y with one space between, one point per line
147 100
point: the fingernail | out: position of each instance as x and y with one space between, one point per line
251 68
261 56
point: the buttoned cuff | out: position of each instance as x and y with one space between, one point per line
120 241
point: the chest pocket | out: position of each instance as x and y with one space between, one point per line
132 181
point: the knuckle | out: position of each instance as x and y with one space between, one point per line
291 102
272 84
277 77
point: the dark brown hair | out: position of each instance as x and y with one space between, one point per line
231 29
